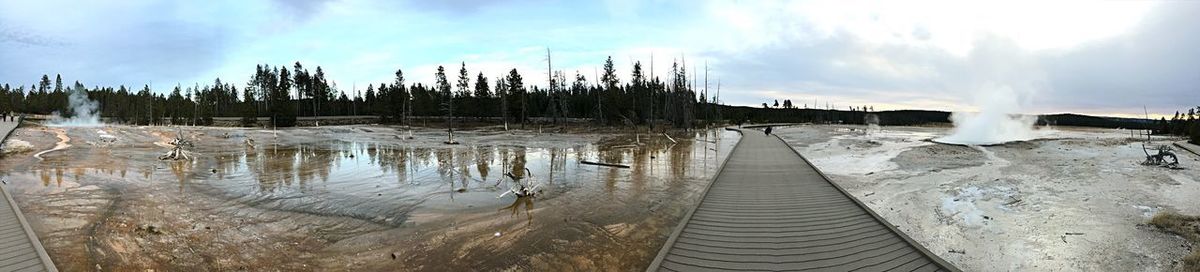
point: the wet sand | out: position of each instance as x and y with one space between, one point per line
355 198
1077 201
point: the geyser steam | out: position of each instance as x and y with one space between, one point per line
998 120
83 111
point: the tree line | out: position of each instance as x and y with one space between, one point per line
1182 124
283 93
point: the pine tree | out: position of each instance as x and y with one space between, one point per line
516 91
321 92
58 87
483 95
464 89
283 112
610 93
639 91
443 89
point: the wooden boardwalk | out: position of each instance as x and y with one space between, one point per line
20 249
769 209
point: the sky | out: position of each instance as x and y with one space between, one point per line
1091 57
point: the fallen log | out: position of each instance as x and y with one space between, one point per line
604 164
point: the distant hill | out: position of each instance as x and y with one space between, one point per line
915 117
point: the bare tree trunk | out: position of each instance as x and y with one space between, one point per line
504 106
550 79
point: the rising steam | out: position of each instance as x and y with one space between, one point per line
83 112
998 121
1001 80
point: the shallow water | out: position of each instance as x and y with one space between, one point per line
316 191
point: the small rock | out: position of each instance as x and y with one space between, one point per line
395 255
497 234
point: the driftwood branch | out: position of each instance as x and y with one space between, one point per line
669 137
604 164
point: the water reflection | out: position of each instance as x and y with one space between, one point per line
385 181
525 202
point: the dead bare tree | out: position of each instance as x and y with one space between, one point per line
521 186
448 100
1160 158
502 89
179 150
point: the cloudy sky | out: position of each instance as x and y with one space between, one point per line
1087 57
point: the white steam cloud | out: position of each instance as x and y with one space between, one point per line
83 112
1002 80
998 121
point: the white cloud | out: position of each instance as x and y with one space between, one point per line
914 54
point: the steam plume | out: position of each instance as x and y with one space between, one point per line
83 111
998 120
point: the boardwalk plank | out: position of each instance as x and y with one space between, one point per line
795 253
769 209
11 259
32 260
893 263
21 247
911 265
37 267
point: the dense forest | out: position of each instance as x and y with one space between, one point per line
1187 125
284 93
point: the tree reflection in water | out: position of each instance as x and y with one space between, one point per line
525 202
